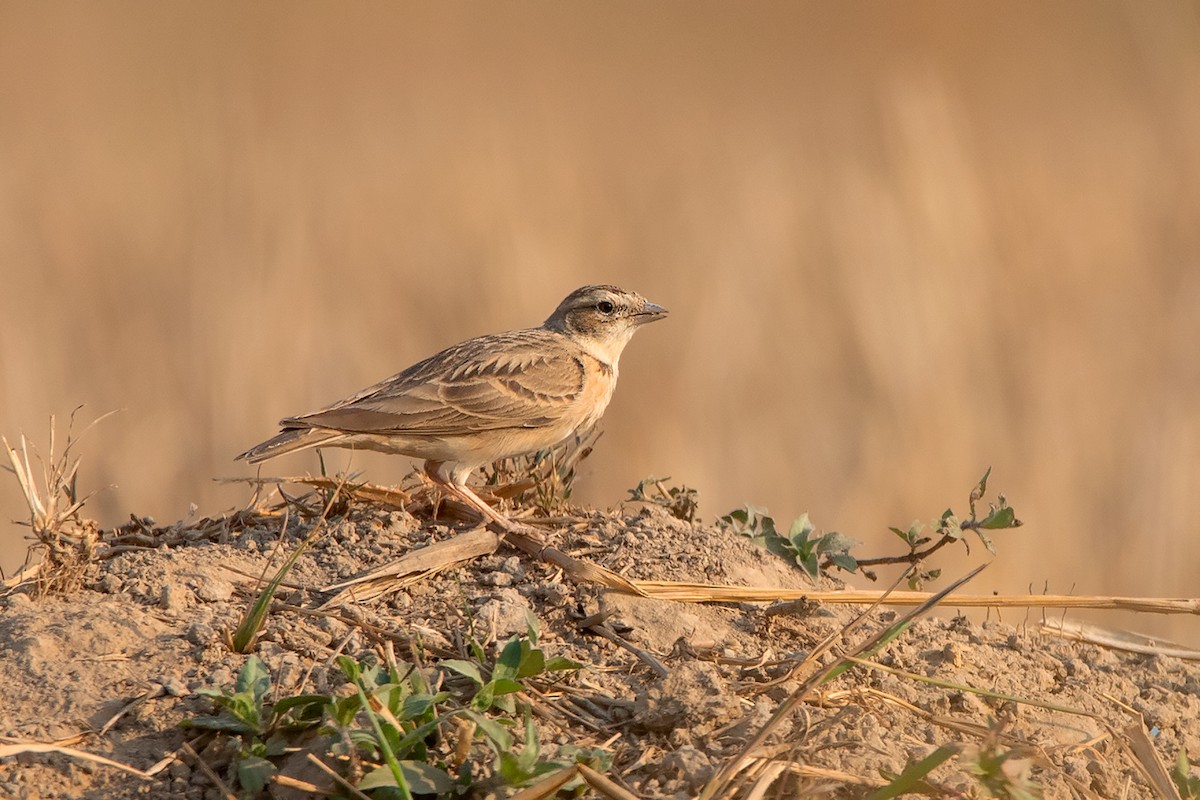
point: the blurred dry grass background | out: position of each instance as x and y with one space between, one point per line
901 242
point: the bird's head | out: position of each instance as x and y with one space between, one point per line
603 318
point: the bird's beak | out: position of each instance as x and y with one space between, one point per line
651 312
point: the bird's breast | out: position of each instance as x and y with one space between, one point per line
599 382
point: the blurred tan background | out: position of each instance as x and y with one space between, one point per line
900 242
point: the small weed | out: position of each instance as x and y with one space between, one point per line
682 501
801 545
1004 774
947 529
813 551
521 658
1181 773
67 542
395 732
263 729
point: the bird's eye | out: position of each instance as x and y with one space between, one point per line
604 307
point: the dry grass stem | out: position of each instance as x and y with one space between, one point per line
1135 739
548 786
67 541
338 779
132 704
1116 639
288 782
9 750
414 565
602 630
603 784
724 777
696 592
366 492
208 771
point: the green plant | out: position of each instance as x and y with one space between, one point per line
1181 774
521 768
391 729
803 546
402 712
262 728
948 528
520 658
813 551
1003 773
682 501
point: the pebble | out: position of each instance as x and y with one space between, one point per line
110 584
213 590
173 598
201 634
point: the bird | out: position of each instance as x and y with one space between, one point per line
485 399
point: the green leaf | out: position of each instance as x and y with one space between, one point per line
414 740
979 491
421 778
502 686
221 722
809 564
484 698
349 668
254 678
911 780
300 701
777 545
500 739
418 705
1002 517
464 668
277 745
738 517
254 773
804 549
533 746
801 527
844 561
1188 785
912 536
509 662
558 664
533 628
835 542
533 662
345 708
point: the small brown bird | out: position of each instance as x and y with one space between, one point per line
487 398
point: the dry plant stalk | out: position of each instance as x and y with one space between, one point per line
67 542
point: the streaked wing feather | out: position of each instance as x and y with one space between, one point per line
525 379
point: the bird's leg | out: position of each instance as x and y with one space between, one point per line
464 493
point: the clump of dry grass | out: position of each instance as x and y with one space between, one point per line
64 543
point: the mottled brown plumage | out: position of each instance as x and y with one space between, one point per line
487 398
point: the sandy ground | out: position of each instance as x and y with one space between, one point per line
146 629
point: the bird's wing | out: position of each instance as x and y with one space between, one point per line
524 379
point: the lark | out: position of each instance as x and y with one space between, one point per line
485 399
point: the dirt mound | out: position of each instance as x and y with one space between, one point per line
670 692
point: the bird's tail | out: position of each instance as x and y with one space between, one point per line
287 441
